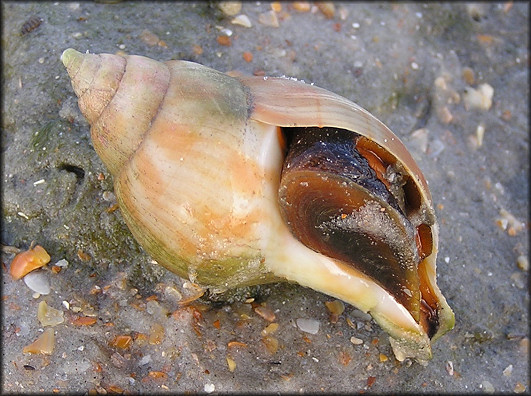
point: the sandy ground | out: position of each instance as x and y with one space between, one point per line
416 67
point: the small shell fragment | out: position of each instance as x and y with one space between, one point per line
242 20
231 363
302 6
480 132
27 261
508 222
508 370
224 40
310 326
270 329
480 98
327 8
149 37
38 282
49 316
269 18
336 308
468 75
122 341
42 345
523 263
265 312
84 321
271 344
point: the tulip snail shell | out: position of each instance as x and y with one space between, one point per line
233 181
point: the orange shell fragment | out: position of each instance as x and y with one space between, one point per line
84 321
44 344
27 261
122 341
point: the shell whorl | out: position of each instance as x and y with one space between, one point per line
119 96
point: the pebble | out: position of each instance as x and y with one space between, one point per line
230 8
356 341
357 314
436 148
209 388
310 326
487 387
468 75
420 139
518 279
62 263
480 131
523 263
146 359
508 371
449 367
38 282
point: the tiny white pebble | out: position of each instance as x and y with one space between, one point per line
81 348
39 182
418 14
41 60
66 304
355 25
414 66
209 388
62 263
226 32
22 214
315 359
356 341
447 259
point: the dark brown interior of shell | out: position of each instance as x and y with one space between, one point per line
341 197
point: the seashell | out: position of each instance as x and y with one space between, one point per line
232 181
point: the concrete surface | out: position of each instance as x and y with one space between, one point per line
415 66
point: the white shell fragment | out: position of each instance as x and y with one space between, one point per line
310 326
38 282
242 20
62 263
480 98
